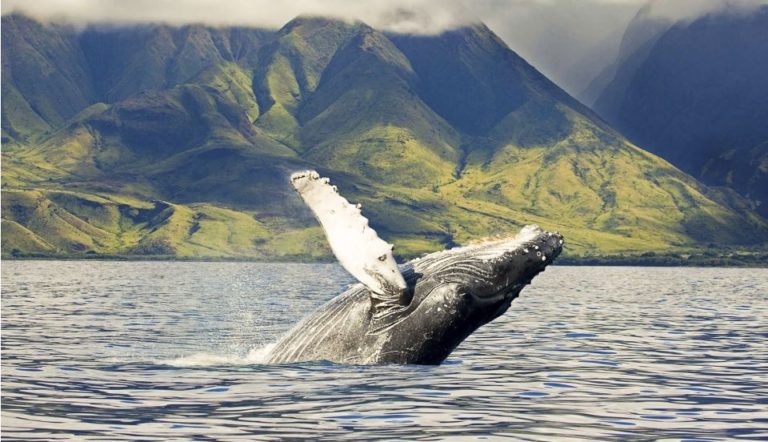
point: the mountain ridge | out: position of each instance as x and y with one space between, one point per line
181 165
696 94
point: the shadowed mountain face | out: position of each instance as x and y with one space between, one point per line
697 95
45 77
638 39
51 72
161 140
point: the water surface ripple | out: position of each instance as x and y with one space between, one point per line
169 350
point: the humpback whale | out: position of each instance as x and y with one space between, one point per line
417 314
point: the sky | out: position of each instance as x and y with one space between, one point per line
568 40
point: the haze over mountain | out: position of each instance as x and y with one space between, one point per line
157 139
696 93
569 41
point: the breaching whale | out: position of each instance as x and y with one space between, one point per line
414 315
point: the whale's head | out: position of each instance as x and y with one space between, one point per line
490 275
491 272
458 290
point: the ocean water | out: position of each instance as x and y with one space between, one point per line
171 350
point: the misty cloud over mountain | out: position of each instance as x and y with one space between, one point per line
568 40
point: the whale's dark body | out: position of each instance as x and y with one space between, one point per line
450 294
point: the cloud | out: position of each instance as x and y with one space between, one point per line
399 15
585 18
568 40
571 41
676 10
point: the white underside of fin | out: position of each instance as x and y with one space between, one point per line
357 246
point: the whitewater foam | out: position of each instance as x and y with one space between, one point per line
254 357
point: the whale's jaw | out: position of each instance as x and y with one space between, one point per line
482 280
494 269
518 267
520 260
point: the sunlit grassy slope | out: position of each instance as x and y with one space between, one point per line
53 222
444 140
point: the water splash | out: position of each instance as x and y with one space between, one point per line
256 356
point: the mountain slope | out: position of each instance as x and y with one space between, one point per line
699 98
638 40
51 72
366 117
45 80
444 139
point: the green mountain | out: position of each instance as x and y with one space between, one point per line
154 140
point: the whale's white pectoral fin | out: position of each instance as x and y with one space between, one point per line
357 247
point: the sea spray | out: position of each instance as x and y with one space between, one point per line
254 356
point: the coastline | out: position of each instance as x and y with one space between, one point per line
757 259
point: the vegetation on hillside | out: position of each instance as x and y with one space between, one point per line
443 139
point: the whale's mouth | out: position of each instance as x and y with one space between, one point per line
491 274
508 266
513 265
